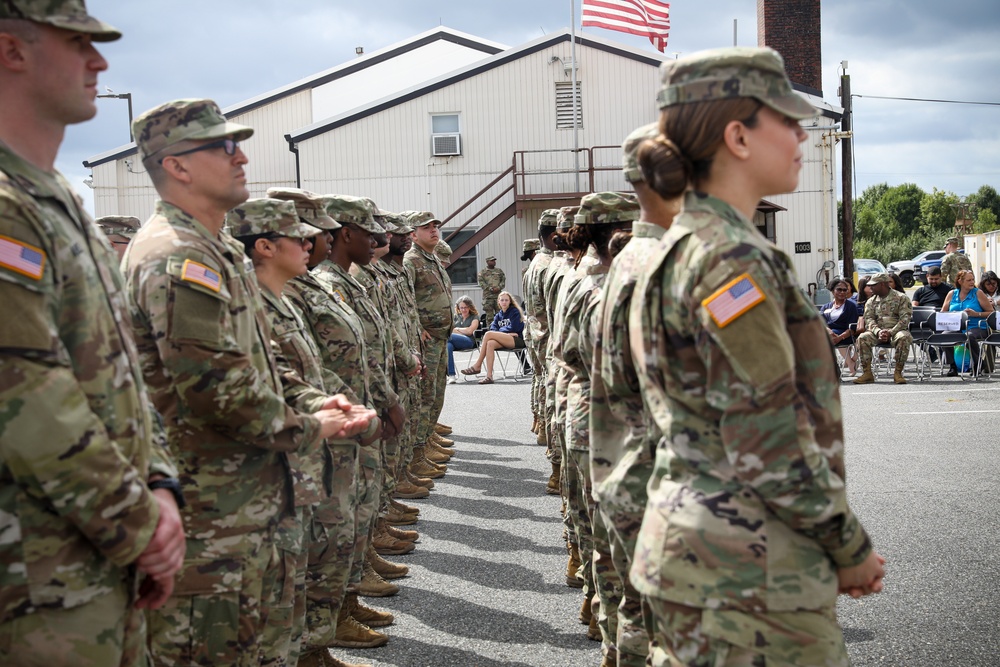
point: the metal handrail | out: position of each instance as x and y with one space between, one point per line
480 211
478 195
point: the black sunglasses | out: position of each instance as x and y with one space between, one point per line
228 145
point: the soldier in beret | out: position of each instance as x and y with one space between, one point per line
737 369
89 527
204 344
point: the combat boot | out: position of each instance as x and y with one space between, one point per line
423 468
898 376
387 545
396 518
385 569
593 629
400 534
404 508
534 424
366 615
418 481
541 438
866 377
438 447
552 487
572 567
351 634
374 586
442 429
435 455
408 490
586 611
439 439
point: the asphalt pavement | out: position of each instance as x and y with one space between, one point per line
486 586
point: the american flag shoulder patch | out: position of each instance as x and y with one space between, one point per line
193 272
22 258
733 299
337 296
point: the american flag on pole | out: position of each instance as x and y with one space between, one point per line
733 299
646 18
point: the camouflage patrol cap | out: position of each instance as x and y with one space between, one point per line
442 249
268 216
419 218
308 205
630 151
605 208
126 225
491 258
350 210
951 240
181 120
732 72
395 224
548 218
880 278
65 14
531 244
565 218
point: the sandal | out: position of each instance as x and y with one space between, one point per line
486 380
470 371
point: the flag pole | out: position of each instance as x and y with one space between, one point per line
576 101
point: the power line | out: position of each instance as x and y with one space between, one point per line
921 99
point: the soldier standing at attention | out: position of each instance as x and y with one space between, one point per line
953 261
88 497
119 229
432 294
204 345
747 537
492 281
623 434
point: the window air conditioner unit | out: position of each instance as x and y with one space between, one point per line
446 144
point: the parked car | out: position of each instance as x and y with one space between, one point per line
906 269
920 272
863 267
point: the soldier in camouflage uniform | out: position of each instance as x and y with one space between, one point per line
887 321
536 311
119 230
530 248
747 536
600 216
492 281
954 261
623 434
204 346
432 295
333 617
82 458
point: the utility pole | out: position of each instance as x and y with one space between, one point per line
847 173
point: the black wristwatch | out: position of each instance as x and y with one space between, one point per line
171 484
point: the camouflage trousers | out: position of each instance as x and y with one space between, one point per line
392 448
608 585
577 464
622 504
691 637
901 342
538 377
489 308
286 618
107 631
368 493
412 426
555 426
432 386
218 611
331 547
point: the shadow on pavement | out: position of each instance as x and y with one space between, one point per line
406 652
489 509
855 635
482 539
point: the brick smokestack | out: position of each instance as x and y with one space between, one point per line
792 28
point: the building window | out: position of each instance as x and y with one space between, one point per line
462 270
446 135
564 105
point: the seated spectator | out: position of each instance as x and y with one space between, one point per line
861 297
505 333
887 320
990 286
966 297
933 293
897 283
840 314
462 335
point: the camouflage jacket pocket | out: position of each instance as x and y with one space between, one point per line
204 576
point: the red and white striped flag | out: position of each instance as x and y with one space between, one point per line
647 18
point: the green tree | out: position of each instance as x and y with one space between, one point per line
898 211
936 212
986 221
986 197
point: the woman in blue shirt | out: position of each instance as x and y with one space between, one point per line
970 299
840 314
504 334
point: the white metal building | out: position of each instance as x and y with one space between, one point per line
485 140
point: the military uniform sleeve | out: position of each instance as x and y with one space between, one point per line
53 444
216 380
904 315
745 309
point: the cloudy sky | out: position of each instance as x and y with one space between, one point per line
232 50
